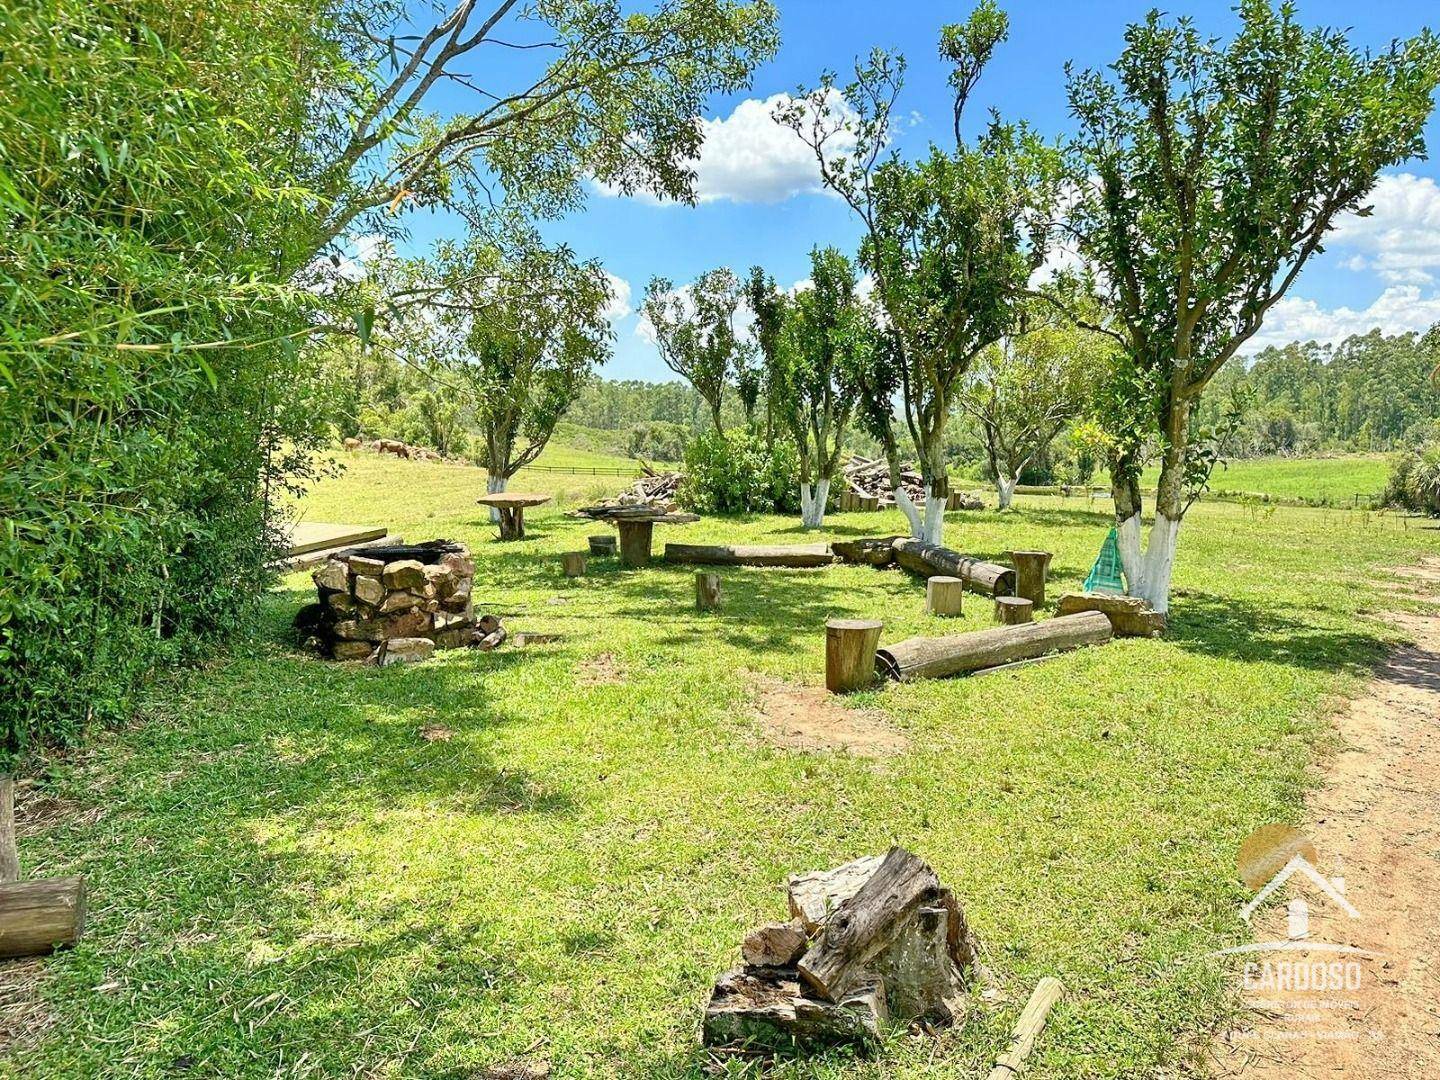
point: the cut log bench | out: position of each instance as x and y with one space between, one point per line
707 591
39 916
601 545
850 653
782 555
573 563
1031 570
511 505
944 595
961 654
1013 610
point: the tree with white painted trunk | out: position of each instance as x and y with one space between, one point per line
1205 179
812 343
517 328
1025 388
951 240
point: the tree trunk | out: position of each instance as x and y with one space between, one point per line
1148 574
494 485
813 498
1005 485
936 658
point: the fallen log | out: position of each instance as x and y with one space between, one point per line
793 555
930 560
41 915
958 654
1129 615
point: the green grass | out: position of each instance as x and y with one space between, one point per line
1333 480
286 880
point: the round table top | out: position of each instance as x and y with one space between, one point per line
512 498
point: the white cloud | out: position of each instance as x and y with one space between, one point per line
620 297
1399 309
747 157
1400 239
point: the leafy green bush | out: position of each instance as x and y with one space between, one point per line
1415 480
738 473
152 399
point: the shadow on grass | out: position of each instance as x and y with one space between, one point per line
1235 629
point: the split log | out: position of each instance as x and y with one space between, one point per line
635 542
602 545
707 591
850 653
1027 1029
937 657
774 945
928 560
1031 569
864 925
1013 610
944 595
574 563
792 555
872 551
39 916
765 1009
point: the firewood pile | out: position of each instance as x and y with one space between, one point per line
653 493
396 604
875 942
867 487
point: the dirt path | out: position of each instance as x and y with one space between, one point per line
1375 825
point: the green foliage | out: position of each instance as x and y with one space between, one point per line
738 472
657 440
152 394
1414 481
696 335
1207 177
952 239
514 329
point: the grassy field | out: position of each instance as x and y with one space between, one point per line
287 880
1336 480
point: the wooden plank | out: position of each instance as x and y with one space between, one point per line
1032 1020
306 536
788 555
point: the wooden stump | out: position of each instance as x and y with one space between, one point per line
635 540
1031 569
943 595
574 563
602 545
38 916
707 591
1013 610
850 653
512 523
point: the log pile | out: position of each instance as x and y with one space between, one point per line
653 493
874 942
865 485
396 604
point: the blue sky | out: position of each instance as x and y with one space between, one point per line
760 203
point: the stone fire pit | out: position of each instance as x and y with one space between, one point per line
394 603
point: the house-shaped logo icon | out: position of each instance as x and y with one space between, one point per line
1334 888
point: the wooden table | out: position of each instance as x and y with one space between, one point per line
637 531
511 505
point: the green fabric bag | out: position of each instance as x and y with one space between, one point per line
1105 574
